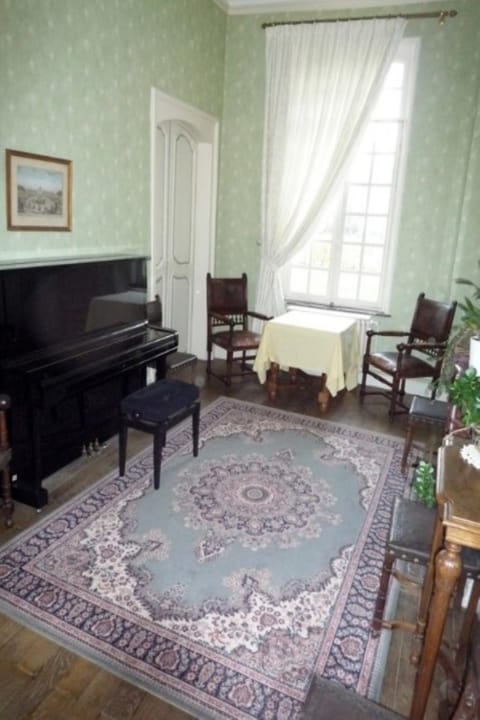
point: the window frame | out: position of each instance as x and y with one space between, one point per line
408 52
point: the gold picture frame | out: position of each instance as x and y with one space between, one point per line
39 192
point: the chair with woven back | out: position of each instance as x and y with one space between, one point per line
228 326
419 356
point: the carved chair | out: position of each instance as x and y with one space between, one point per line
419 356
227 325
5 458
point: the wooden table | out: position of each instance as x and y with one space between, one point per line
458 495
320 344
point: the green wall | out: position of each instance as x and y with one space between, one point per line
440 225
75 79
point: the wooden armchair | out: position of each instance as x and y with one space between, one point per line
227 325
419 356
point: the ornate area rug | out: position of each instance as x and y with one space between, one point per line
253 567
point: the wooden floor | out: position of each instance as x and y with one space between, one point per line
41 680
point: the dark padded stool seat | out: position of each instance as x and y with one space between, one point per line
155 409
423 411
329 700
410 539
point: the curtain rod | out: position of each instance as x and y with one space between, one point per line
442 15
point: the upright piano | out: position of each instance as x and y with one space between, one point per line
65 397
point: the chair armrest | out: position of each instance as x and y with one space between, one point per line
259 316
387 333
381 333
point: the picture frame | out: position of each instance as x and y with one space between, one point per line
39 192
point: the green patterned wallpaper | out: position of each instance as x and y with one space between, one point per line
440 226
75 82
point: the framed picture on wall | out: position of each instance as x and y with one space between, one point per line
39 192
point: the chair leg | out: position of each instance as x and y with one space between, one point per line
364 381
159 437
382 593
407 444
122 447
209 359
394 397
229 371
7 500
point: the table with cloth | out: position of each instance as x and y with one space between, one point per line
319 344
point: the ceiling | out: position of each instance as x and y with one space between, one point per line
244 7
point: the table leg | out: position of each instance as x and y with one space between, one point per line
323 396
272 381
448 567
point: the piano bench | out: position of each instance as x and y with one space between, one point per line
177 361
155 409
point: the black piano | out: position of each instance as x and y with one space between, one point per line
65 397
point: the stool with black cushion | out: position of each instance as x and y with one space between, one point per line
329 700
410 539
155 409
429 413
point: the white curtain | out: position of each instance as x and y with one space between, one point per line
322 81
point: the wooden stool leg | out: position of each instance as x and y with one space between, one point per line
382 594
159 437
407 445
195 428
122 446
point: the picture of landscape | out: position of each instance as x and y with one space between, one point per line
39 191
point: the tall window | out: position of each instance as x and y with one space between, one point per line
349 262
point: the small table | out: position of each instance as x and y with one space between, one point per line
322 344
458 495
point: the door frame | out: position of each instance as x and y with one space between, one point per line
204 128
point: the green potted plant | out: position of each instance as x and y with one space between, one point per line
424 483
464 335
464 393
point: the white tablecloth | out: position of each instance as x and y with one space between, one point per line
314 342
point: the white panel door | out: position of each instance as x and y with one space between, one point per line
176 158
184 142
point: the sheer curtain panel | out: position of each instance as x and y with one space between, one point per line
322 81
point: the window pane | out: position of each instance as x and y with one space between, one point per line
386 137
389 104
395 75
357 199
372 260
321 255
351 255
376 230
360 170
354 227
302 257
383 169
369 290
318 282
347 286
379 200
298 280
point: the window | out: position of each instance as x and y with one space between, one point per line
349 262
